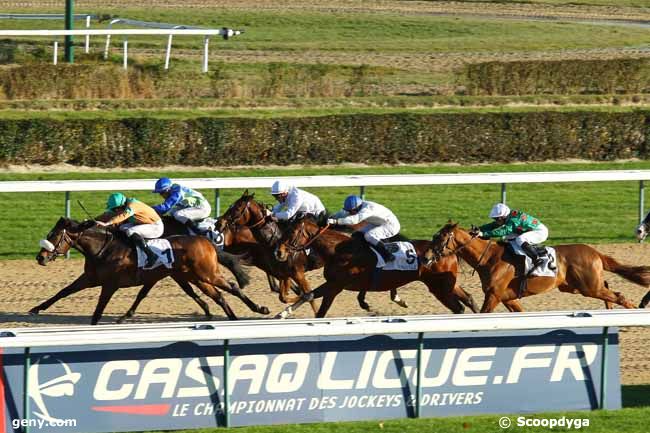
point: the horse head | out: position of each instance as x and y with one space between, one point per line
643 229
297 235
57 242
246 211
443 243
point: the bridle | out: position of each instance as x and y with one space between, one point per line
293 246
230 221
65 237
440 252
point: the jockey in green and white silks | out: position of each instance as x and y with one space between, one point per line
381 222
183 203
513 225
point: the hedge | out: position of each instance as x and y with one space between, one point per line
361 138
571 76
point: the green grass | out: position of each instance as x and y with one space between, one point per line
631 419
619 3
301 31
598 212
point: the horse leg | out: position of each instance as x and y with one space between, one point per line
608 304
490 302
234 290
189 291
303 287
645 300
210 290
465 298
396 299
82 282
361 299
514 306
106 294
328 298
319 292
144 291
273 283
442 286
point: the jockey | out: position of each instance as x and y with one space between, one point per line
292 200
138 220
381 222
525 229
184 204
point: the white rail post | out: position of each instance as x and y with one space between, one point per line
503 193
67 215
362 192
87 47
169 51
205 53
126 52
55 60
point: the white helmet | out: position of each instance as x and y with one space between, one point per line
499 210
279 187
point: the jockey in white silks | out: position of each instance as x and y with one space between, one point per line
381 222
292 200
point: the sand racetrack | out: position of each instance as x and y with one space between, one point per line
24 284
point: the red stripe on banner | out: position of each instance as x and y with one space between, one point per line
3 421
143 409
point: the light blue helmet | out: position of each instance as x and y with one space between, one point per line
352 202
163 184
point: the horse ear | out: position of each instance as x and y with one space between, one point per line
245 194
321 220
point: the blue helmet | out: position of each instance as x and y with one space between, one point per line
163 184
352 202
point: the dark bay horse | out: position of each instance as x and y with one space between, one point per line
111 262
350 265
174 227
579 269
251 215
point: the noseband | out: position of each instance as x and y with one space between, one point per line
293 246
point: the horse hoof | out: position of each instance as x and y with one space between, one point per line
34 312
264 310
120 320
364 305
403 304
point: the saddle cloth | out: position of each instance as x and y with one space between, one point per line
207 226
406 258
164 254
543 270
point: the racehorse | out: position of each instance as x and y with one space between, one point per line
579 269
251 215
350 265
111 262
174 227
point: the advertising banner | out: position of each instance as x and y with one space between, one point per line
114 388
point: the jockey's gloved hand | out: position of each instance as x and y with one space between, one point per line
476 232
331 221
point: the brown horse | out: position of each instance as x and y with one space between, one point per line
350 265
249 214
579 269
111 262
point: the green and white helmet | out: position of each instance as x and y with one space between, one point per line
116 199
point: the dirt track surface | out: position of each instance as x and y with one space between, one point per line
24 284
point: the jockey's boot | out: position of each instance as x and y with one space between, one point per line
192 226
532 253
138 240
385 254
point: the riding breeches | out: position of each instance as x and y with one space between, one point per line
374 234
537 236
193 213
147 231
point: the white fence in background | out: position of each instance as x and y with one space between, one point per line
225 33
361 181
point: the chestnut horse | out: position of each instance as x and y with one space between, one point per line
579 269
111 262
350 265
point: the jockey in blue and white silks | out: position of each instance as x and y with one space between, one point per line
183 203
292 200
381 222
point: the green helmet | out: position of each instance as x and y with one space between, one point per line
116 199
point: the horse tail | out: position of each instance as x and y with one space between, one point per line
231 262
637 274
